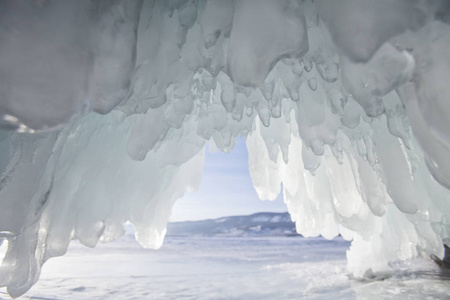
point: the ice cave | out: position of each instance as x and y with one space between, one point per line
106 108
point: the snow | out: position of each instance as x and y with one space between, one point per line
106 108
206 268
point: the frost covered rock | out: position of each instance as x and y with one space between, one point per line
105 109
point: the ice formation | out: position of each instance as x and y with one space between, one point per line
106 106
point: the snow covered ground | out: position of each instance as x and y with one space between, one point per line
226 268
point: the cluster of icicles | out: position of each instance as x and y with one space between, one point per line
106 107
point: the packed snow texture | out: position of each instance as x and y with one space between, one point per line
106 107
228 268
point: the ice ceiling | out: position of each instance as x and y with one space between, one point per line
106 107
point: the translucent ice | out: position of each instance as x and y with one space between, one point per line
105 109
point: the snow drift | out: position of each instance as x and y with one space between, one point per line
106 106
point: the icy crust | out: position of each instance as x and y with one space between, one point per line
62 185
343 103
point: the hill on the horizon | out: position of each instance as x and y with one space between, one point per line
258 224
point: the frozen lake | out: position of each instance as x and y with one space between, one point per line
226 268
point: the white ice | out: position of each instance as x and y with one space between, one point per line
106 108
227 268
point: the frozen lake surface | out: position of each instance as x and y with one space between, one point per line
227 268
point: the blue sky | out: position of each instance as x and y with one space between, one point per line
226 189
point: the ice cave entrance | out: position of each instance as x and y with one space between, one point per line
107 107
226 189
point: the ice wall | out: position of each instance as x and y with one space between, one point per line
105 108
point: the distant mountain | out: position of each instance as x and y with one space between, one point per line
259 224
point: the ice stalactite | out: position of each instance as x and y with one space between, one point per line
105 108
